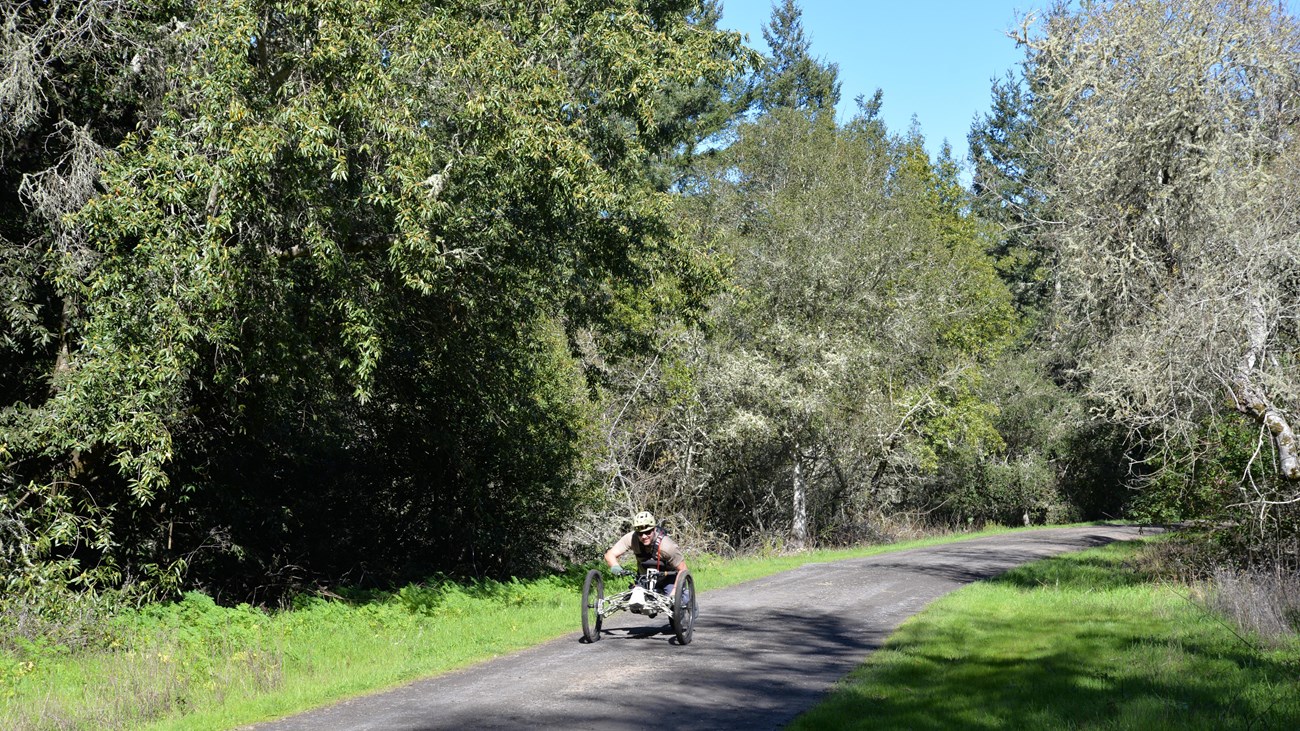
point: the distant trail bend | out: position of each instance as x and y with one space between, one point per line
764 651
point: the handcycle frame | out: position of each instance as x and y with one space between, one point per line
641 597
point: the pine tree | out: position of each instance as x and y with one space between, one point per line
1006 189
792 78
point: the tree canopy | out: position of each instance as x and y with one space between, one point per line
792 78
317 292
1170 175
256 241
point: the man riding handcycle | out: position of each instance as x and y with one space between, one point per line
663 584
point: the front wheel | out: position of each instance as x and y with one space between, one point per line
593 593
685 609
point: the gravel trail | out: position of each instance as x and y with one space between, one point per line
764 651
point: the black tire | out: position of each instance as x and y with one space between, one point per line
593 591
684 612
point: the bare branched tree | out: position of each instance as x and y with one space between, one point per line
1172 155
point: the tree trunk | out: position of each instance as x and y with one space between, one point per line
799 538
1251 400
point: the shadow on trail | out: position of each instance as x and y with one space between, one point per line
747 669
970 561
653 629
763 652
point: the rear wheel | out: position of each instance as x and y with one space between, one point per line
684 609
593 592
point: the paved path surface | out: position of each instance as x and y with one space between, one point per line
763 651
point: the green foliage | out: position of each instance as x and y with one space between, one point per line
980 492
324 280
1045 458
791 78
1201 481
1216 483
847 357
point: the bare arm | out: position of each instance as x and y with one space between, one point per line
620 547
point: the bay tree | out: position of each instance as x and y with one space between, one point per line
74 85
330 267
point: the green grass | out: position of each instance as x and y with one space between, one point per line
194 665
1081 641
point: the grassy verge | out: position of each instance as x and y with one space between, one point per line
1081 641
194 665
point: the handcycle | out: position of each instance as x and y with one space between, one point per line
642 597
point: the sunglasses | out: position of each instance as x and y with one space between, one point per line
645 532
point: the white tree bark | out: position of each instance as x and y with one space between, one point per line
1251 399
799 531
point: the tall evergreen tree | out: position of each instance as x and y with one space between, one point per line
691 111
792 78
1006 189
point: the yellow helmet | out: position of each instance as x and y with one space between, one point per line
643 521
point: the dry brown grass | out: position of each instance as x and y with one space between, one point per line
1264 602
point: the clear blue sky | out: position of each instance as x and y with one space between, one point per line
934 59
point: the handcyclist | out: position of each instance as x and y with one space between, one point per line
652 548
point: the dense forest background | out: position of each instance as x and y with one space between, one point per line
304 293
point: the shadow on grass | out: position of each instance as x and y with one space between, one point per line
1063 690
1083 573
1089 668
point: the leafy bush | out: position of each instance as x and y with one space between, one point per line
144 664
1010 493
1200 480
